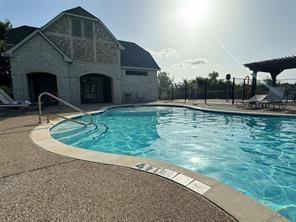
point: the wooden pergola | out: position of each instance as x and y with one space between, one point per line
272 66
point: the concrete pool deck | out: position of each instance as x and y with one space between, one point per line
38 185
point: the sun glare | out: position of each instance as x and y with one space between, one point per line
194 13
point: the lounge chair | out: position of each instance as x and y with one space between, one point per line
252 101
8 102
275 96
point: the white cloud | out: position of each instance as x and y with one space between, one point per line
164 53
190 63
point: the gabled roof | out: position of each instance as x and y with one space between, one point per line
29 36
14 36
136 57
80 11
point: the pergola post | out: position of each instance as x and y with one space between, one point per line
254 83
273 77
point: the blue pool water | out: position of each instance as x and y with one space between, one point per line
255 155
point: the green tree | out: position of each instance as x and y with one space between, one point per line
5 73
268 82
213 76
164 81
5 26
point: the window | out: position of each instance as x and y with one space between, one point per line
78 31
76 27
88 31
136 73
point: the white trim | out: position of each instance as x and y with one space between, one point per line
94 72
84 17
139 68
37 31
51 22
94 41
56 34
80 16
71 37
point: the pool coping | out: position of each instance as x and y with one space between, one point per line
233 112
235 203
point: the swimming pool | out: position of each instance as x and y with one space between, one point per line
255 155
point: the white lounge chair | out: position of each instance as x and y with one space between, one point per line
252 101
8 102
275 96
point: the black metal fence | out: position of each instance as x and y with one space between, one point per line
228 90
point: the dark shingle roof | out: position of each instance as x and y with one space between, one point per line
135 56
14 36
132 55
80 11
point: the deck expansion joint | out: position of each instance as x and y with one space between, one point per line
36 169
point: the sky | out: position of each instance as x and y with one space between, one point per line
187 38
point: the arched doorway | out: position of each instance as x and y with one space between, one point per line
95 88
42 82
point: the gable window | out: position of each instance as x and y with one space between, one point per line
136 73
88 31
76 27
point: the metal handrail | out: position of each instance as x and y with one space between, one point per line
67 104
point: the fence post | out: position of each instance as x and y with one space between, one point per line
244 89
189 92
185 87
172 91
228 77
206 90
233 87
227 90
195 95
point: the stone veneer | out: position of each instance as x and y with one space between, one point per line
60 26
107 52
101 49
83 50
101 33
63 42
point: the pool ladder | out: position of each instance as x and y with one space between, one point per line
63 117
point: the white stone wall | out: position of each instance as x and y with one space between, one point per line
37 55
138 88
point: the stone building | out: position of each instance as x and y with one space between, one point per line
77 58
